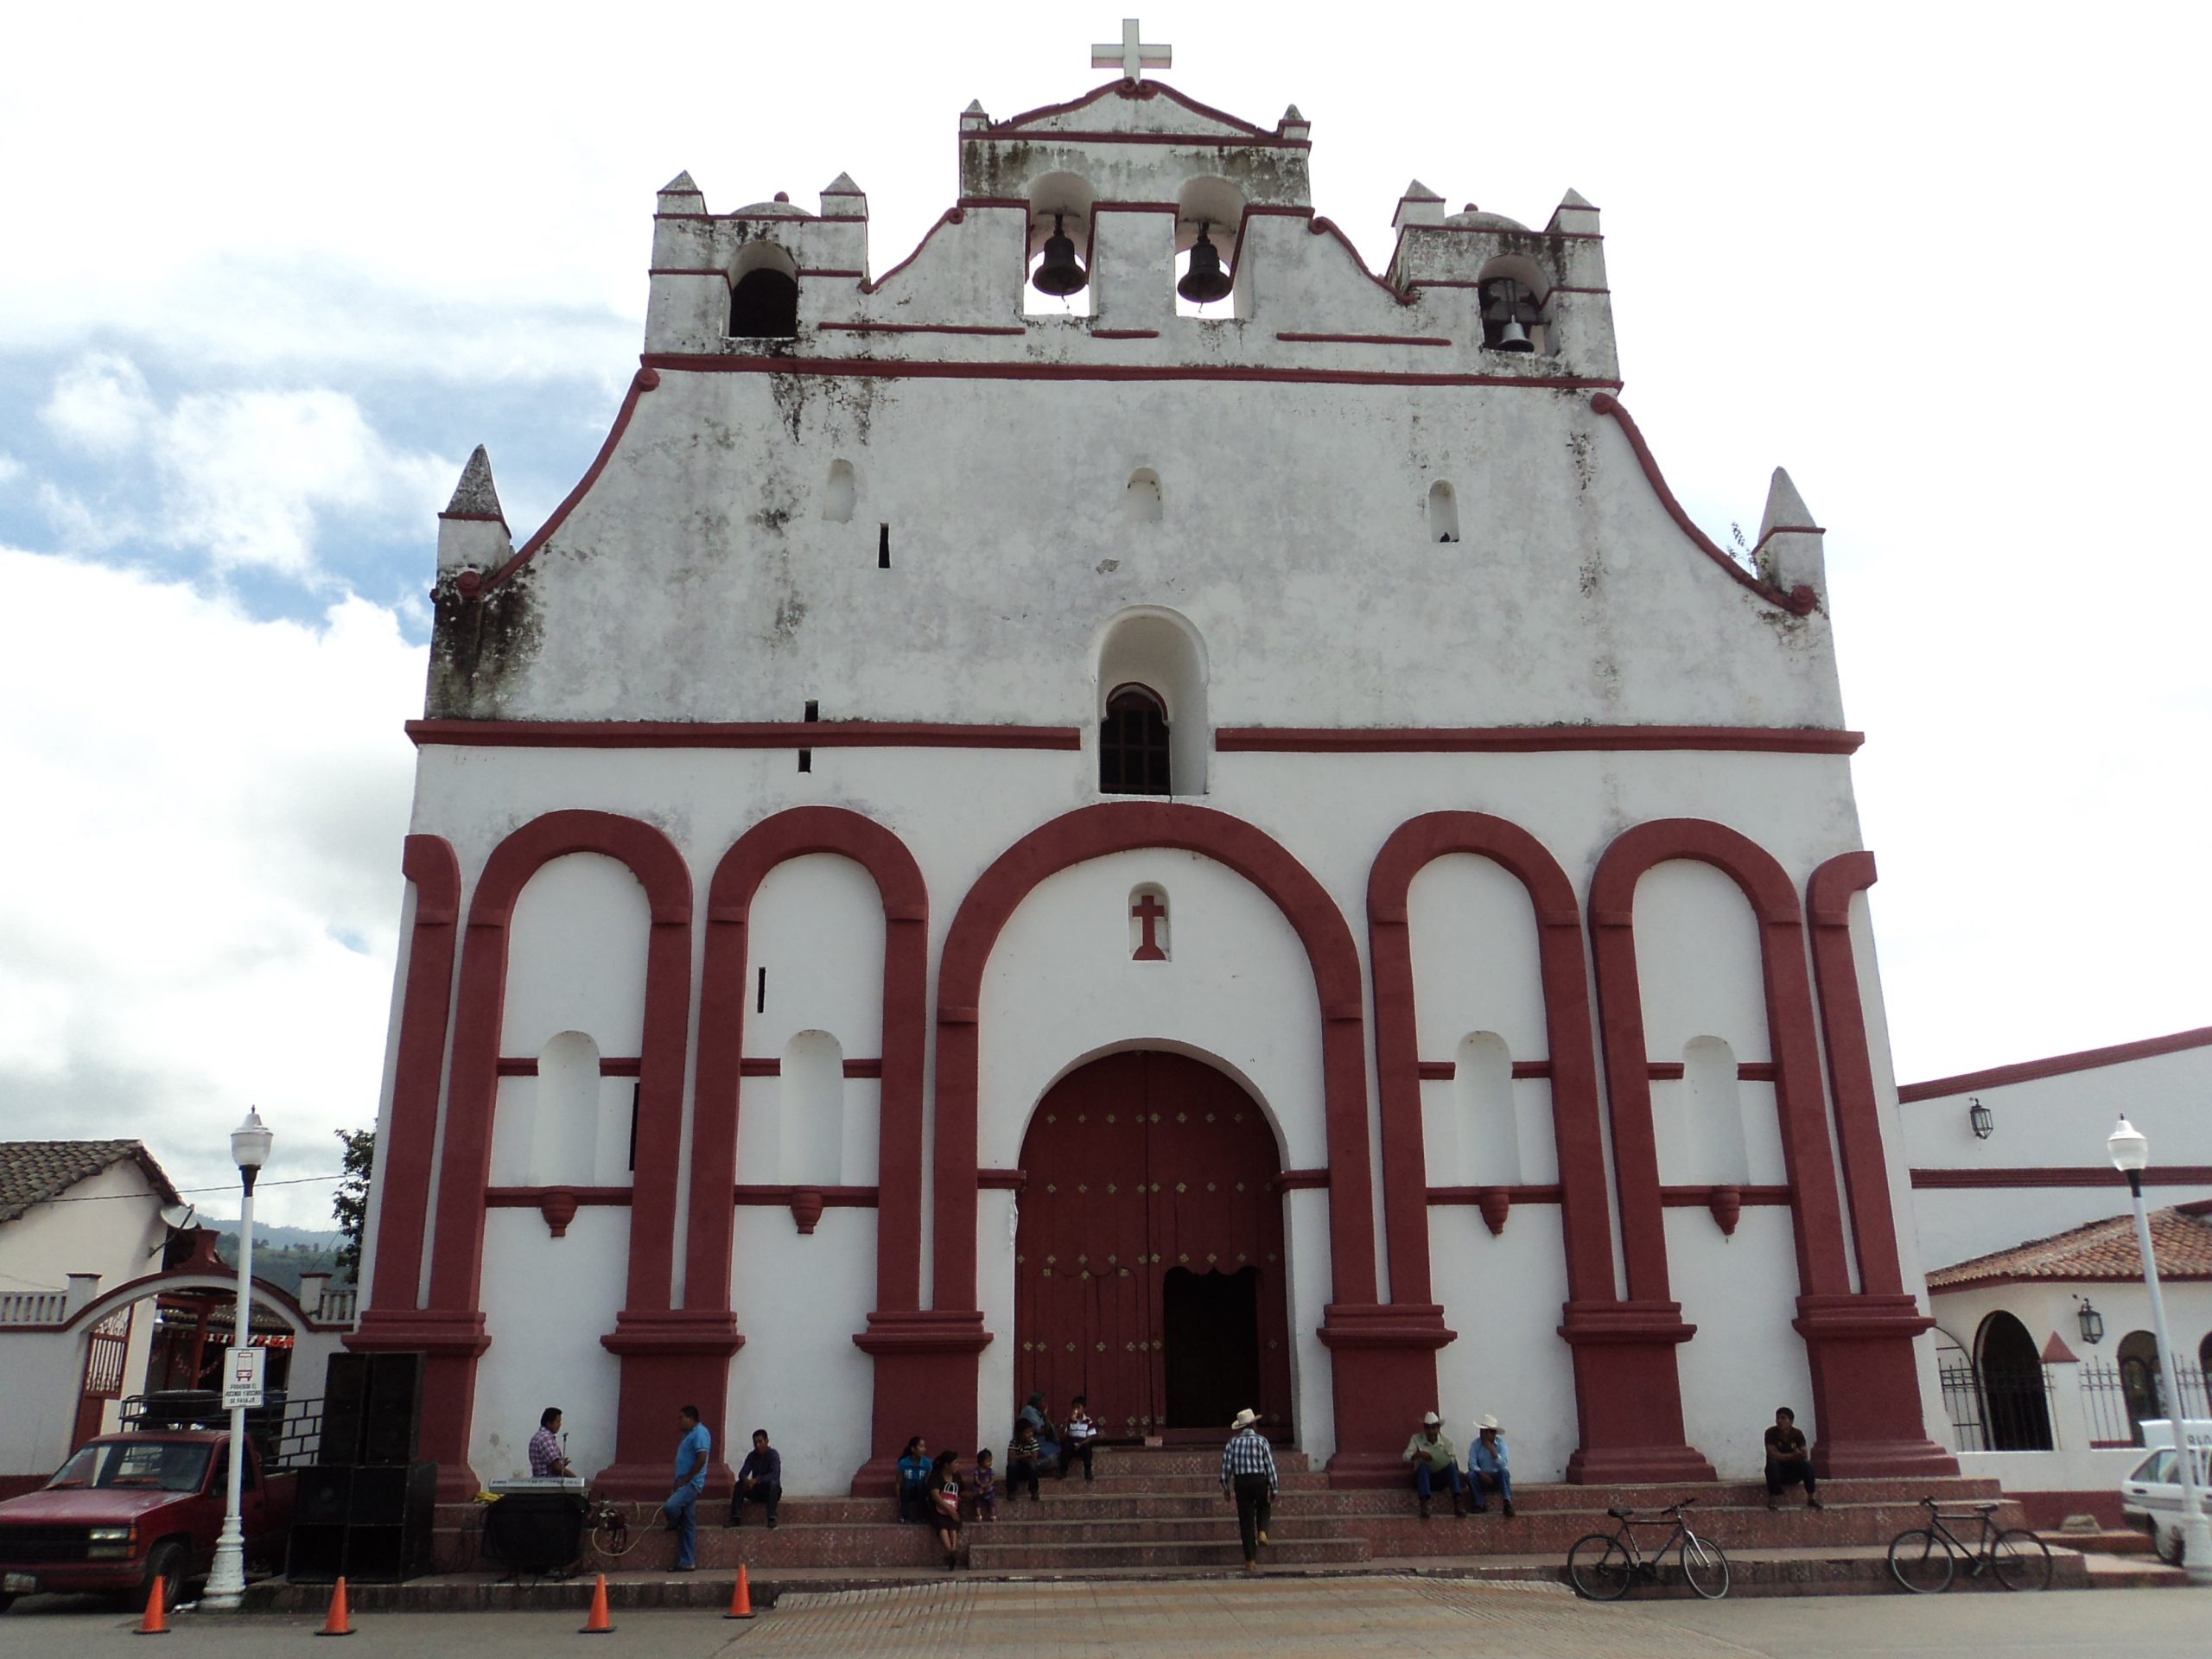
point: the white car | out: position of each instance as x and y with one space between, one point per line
2151 1496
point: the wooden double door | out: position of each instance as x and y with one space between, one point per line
1149 1273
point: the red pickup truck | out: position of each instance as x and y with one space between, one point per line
128 1508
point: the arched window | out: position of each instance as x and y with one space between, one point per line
2015 1412
763 305
1132 744
2139 1381
1442 513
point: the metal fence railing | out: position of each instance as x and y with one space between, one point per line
2117 1397
287 1431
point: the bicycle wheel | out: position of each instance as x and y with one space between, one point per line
1921 1561
1598 1567
1705 1566
2021 1560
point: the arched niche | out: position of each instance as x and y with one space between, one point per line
1064 199
1160 652
1215 205
763 293
1142 502
1489 1136
840 493
1719 1151
1443 512
812 1106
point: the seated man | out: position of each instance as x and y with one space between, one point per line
1434 1459
546 1457
1486 1469
759 1480
1789 1463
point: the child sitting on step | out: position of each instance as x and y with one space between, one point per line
987 1487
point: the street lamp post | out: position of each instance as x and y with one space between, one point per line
226 1581
2130 1156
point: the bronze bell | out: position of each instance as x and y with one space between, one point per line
1206 281
1505 318
1057 272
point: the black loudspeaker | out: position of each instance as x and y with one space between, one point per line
345 1408
317 1554
392 1430
324 1495
393 1495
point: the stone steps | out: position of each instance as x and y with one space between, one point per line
986 1554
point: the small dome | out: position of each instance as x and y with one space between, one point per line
773 209
1474 220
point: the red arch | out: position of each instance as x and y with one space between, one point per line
404 1182
1115 827
899 883
1576 1131
1807 1158
465 1164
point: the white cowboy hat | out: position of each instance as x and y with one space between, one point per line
1245 1419
1431 1420
1488 1422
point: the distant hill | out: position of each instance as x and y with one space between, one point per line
280 1255
264 1235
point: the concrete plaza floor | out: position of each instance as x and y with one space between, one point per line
1218 1619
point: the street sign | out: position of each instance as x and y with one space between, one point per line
242 1377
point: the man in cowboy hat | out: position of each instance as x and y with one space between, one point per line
1247 1474
1486 1469
1434 1459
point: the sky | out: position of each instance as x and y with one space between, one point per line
269 273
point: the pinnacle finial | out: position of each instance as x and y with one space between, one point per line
1785 508
475 496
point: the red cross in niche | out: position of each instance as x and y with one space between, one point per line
1150 912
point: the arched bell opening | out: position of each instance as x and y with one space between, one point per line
1056 262
764 293
1209 220
1515 297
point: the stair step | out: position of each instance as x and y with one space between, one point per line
991 1556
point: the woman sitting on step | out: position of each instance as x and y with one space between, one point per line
944 1503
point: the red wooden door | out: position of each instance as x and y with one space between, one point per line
1139 1163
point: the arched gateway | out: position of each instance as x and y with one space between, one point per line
1148 1261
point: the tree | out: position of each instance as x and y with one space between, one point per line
350 1204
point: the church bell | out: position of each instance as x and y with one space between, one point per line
1206 281
1511 308
1057 272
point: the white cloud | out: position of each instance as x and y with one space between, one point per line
10 469
207 824
101 404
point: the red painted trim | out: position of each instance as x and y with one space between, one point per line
1328 227
403 1183
1112 827
1011 1180
825 271
995 201
1532 740
1437 1071
836 1198
725 1001
1851 1069
1606 1423
770 1067
1786 530
735 735
1301 1180
1186 140
2058 1065
904 369
1990 1282
1097 207
1746 1071
950 216
1540 1193
526 1065
1011 127
533 1197
863 1068
1125 334
1799 601
2043 1175
917 328
641 383
1360 340
1791 1035
1698 1198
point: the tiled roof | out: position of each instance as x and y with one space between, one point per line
2182 1236
31 1172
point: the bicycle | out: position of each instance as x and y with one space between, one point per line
1602 1565
1923 1559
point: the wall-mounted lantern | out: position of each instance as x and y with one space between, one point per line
2093 1323
1979 1117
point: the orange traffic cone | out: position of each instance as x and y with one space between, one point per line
157 1621
337 1624
740 1599
597 1624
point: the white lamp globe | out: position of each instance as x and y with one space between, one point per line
2131 1152
249 1142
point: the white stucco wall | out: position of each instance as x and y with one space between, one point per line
556 1298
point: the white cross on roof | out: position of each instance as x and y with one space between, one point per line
1129 54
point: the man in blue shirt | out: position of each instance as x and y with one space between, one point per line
1486 1468
683 1506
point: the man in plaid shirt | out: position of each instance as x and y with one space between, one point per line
545 1458
1248 1473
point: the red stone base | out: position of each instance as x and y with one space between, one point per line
450 1344
925 1381
1866 1387
670 1358
1382 1362
1628 1395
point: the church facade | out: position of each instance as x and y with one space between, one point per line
1236 849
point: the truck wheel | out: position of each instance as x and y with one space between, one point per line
167 1563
